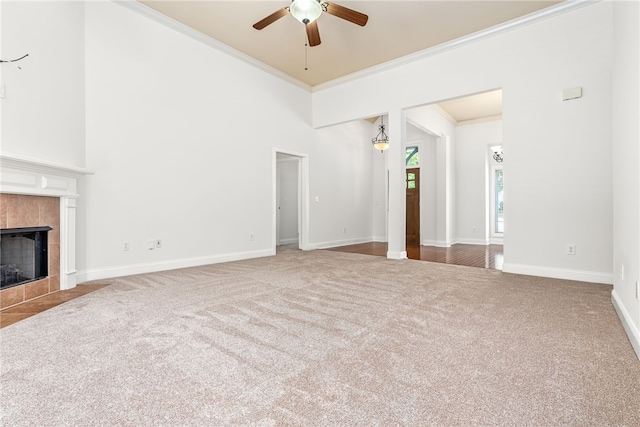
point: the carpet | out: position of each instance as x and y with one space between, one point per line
324 338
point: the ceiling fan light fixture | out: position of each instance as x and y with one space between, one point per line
306 11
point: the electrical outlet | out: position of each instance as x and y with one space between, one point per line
622 272
251 237
151 244
571 249
638 290
344 229
158 243
125 246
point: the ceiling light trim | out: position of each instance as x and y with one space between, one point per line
196 35
499 29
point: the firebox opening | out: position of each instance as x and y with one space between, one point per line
23 255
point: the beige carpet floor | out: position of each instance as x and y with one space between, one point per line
324 339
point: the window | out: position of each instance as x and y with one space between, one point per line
411 180
498 200
412 157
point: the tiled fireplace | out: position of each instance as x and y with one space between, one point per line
35 194
21 211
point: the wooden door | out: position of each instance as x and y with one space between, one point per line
413 206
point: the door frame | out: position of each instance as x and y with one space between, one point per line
303 197
444 188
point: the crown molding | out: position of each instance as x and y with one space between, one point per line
531 18
480 120
505 27
171 23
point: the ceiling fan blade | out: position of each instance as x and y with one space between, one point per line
271 18
346 13
313 34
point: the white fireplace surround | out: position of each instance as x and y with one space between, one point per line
21 175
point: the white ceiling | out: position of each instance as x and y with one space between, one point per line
486 105
395 29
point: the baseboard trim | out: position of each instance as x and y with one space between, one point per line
380 239
288 241
336 243
482 242
558 273
627 323
128 270
397 255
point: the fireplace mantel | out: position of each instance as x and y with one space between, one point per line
22 175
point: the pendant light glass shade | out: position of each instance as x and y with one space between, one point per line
305 11
381 145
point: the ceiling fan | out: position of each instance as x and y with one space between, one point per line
307 11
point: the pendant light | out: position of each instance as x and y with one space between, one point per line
381 141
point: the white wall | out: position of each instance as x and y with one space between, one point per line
428 191
287 170
548 207
472 179
626 171
341 192
43 110
181 138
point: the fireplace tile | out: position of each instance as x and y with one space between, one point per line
11 296
4 202
54 283
31 211
54 257
49 208
24 212
54 234
36 289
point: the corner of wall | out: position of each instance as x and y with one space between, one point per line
632 331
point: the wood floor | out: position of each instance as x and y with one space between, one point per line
19 312
482 256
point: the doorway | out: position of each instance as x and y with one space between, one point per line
413 206
290 184
287 196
